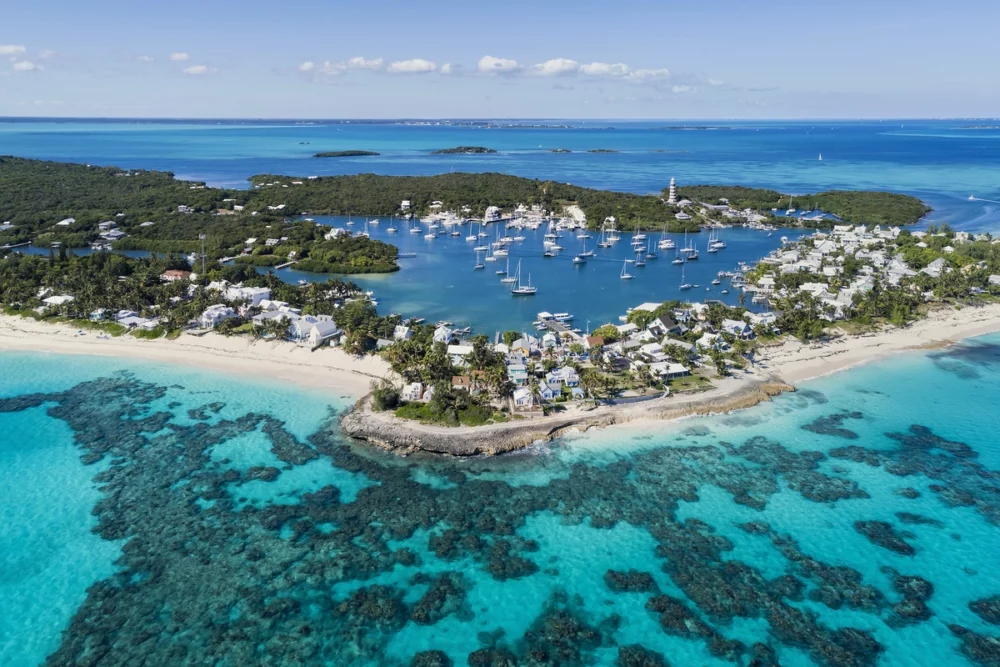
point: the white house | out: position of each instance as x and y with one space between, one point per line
322 331
738 328
523 398
411 392
213 315
56 301
402 332
252 295
548 392
566 375
443 334
458 353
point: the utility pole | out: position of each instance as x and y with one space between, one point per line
202 237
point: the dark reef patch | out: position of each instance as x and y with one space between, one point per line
834 425
248 584
987 609
882 533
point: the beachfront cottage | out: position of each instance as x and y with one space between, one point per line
548 392
323 331
738 328
523 398
402 332
53 302
412 392
566 375
711 341
216 314
668 371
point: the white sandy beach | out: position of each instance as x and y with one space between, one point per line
328 368
332 369
795 362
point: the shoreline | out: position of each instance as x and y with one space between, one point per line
328 369
778 369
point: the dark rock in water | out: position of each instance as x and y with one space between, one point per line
922 438
631 581
881 533
431 659
987 609
857 454
755 527
980 649
504 565
834 425
635 655
907 492
912 609
762 655
492 657
560 635
204 411
262 473
445 596
918 520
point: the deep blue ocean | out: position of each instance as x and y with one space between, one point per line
942 162
162 515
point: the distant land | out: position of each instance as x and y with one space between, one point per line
345 154
560 150
603 150
464 150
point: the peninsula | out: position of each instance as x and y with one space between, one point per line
345 154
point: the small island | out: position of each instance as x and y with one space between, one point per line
603 150
464 150
345 154
560 150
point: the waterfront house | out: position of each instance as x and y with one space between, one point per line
98 315
323 331
550 340
667 371
267 316
518 374
738 328
711 341
458 353
590 342
444 334
548 392
214 315
402 332
625 329
661 326
577 394
412 392
56 301
565 375
523 398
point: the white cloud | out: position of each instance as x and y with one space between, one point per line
27 66
415 66
307 66
11 49
682 89
47 53
179 57
198 70
145 59
556 67
715 82
447 68
491 65
360 63
643 74
606 69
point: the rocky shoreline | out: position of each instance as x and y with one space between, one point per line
391 433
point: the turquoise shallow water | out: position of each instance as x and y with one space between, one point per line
178 516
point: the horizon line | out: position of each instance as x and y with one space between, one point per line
349 119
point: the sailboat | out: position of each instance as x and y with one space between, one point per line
479 265
508 279
625 274
820 157
650 253
692 254
489 254
584 252
604 242
640 259
678 259
504 272
471 237
391 229
523 290
686 249
684 285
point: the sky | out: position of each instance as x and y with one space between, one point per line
508 59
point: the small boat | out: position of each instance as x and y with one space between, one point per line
390 230
562 317
716 282
501 252
625 275
455 233
479 264
481 248
373 222
548 253
725 291
303 283
579 260
685 285
414 230
432 235
350 223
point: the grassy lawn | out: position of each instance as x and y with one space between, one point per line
689 383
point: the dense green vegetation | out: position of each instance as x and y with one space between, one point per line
344 254
464 150
381 195
861 207
345 154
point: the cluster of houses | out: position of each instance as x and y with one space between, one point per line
823 254
656 349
